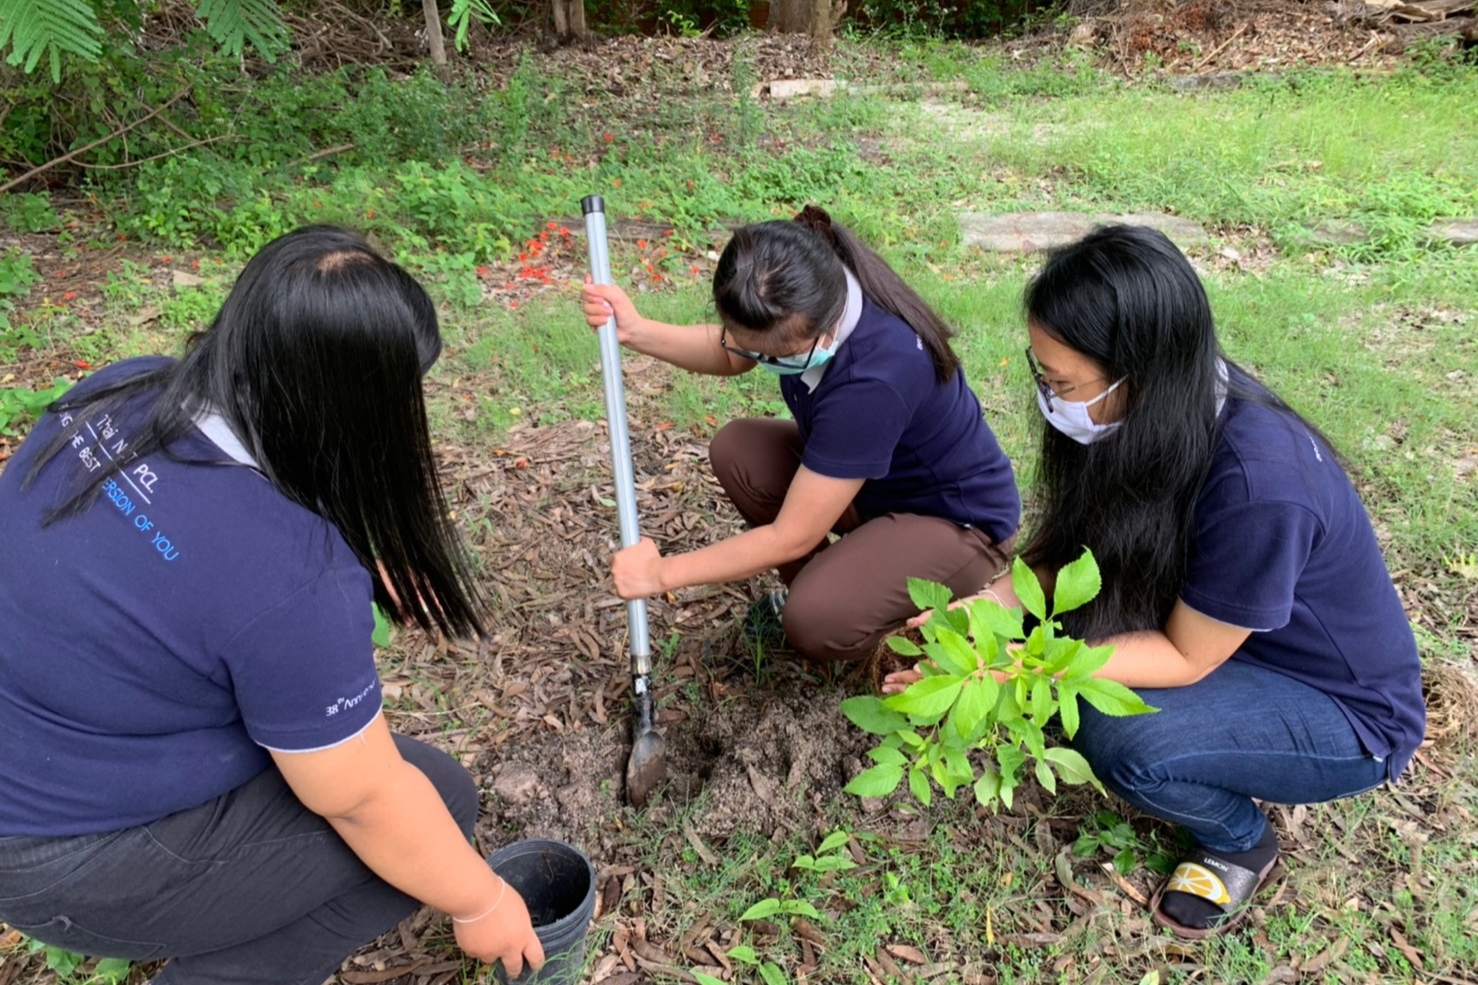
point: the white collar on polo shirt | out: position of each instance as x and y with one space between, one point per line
850 317
214 426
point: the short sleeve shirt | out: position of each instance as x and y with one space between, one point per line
1284 547
881 414
161 642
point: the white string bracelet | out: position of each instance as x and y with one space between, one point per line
488 910
992 593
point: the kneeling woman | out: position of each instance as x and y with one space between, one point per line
193 760
1243 587
887 448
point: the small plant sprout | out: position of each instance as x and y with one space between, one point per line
989 689
830 856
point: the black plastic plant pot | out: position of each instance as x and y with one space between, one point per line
557 883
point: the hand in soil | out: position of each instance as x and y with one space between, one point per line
601 301
505 934
895 682
638 570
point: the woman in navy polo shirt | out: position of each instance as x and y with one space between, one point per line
887 448
1243 588
193 760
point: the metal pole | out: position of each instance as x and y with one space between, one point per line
615 396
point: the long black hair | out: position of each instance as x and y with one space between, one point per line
788 277
315 361
1128 299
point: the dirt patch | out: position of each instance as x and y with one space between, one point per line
762 762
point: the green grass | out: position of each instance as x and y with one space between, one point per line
1373 342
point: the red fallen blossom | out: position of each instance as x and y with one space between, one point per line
607 137
641 244
513 304
483 271
370 214
82 364
522 463
695 270
551 225
194 264
523 256
166 258
69 296
564 230
713 421
616 182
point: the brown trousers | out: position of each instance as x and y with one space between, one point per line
846 596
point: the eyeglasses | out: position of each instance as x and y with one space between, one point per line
1046 391
785 362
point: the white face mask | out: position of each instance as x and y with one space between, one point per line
1072 418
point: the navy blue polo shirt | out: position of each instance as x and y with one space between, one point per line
880 414
1283 546
158 644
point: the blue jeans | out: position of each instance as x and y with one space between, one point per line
1241 732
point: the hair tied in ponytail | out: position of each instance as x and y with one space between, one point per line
818 221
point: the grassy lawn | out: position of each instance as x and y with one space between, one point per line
1372 340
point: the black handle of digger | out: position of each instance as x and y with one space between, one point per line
615 396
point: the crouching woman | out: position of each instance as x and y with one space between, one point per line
193 760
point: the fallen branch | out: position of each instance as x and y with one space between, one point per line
154 157
73 155
318 155
1219 48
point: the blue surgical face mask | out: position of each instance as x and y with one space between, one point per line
820 356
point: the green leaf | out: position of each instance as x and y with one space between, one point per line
833 863
1028 589
958 767
1125 861
970 717
836 839
771 973
911 739
799 908
804 862
1067 708
929 594
995 618
1045 777
1009 758
930 698
1085 846
1077 583
871 714
1071 766
918 785
959 648
988 788
381 634
233 24
705 979
887 756
1112 698
112 971
764 908
1086 661
744 954
1041 704
51 28
879 781
904 646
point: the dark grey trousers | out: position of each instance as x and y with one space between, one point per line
249 888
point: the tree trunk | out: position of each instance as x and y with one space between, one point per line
569 19
433 32
818 18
